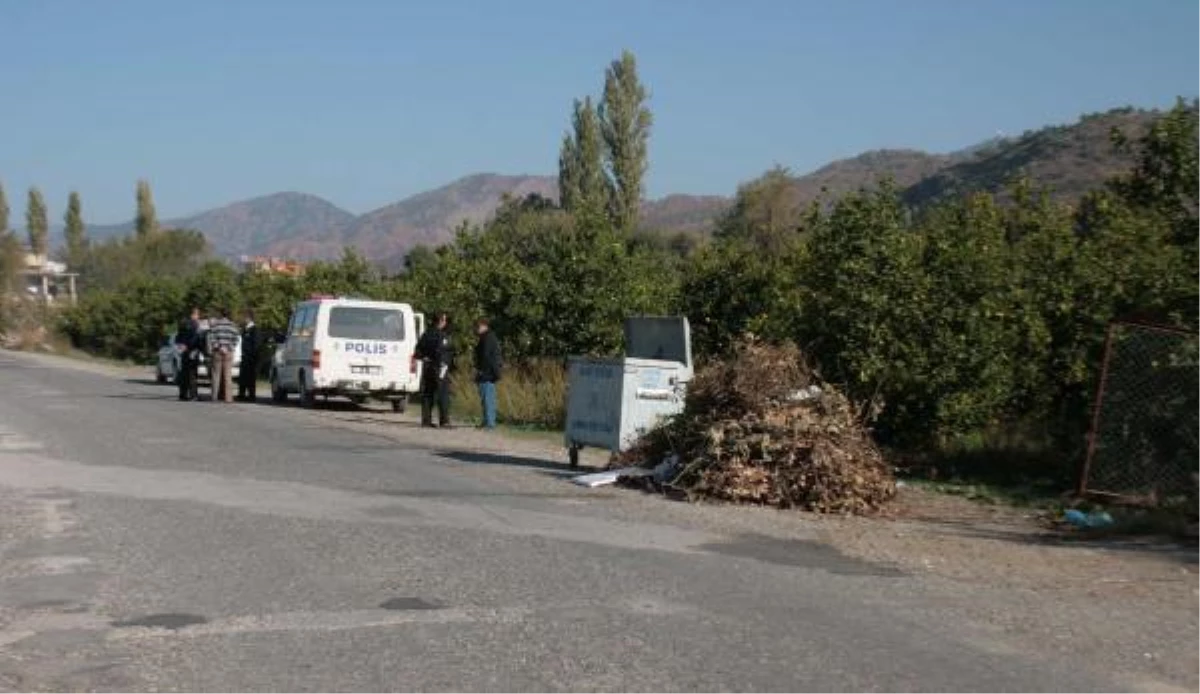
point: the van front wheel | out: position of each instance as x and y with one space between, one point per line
278 394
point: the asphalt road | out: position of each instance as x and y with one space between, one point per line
150 544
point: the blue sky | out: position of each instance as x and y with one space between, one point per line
364 102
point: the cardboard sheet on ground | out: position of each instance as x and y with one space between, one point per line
599 479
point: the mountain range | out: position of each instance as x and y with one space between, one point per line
1069 159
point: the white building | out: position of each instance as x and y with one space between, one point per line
48 280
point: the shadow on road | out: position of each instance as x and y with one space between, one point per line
473 458
459 494
146 396
148 382
321 404
347 411
1183 551
365 417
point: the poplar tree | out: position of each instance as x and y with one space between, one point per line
36 222
625 126
147 218
3 211
583 184
74 230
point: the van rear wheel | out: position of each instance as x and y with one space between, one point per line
308 399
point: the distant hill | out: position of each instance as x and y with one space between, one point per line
686 213
698 214
430 218
253 226
1070 159
906 167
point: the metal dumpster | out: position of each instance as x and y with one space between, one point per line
612 402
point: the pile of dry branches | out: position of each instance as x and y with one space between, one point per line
762 428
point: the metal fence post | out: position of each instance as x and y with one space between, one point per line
1094 428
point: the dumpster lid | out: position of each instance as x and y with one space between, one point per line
666 338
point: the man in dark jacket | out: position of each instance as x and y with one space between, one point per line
187 341
248 370
487 370
437 357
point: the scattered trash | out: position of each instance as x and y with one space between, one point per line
600 479
900 484
1095 519
667 470
761 428
805 394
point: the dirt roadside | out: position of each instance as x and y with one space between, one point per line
1131 605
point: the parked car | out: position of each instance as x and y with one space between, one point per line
169 359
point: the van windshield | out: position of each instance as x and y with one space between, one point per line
354 323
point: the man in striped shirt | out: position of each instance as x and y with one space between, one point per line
223 339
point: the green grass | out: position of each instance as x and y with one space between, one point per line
1020 458
1023 496
530 398
1012 465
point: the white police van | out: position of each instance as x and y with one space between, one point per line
352 348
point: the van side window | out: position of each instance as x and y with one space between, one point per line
308 327
297 321
302 321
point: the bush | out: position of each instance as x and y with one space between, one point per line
552 286
23 324
129 322
732 288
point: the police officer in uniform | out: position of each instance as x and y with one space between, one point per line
248 371
437 357
187 342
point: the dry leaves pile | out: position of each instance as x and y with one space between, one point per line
761 428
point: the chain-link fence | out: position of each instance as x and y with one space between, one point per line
1143 441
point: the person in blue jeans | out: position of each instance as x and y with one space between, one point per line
487 370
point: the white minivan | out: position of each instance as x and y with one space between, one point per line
352 348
